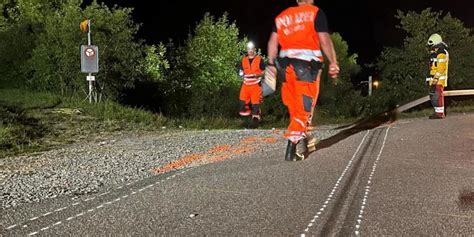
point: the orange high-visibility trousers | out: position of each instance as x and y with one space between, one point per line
300 98
251 94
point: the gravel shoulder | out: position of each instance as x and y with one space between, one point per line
89 167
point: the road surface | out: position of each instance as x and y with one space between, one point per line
407 178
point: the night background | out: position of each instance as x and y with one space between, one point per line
132 117
367 25
144 81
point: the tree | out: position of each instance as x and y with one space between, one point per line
211 56
155 63
50 56
342 99
17 41
404 69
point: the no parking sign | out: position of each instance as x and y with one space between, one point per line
89 59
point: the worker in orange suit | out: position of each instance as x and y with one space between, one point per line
251 70
302 32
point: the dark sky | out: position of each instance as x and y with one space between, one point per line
367 25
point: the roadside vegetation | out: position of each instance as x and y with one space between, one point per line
190 84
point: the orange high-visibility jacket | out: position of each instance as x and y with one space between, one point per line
297 35
252 70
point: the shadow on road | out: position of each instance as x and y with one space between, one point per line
361 125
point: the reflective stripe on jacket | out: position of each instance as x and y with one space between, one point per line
252 70
296 33
439 67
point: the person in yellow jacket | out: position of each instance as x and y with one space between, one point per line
438 74
251 71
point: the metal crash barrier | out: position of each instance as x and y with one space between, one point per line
427 98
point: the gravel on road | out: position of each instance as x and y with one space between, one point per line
87 168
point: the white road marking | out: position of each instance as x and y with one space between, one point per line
367 188
47 213
57 223
349 164
60 209
90 210
11 227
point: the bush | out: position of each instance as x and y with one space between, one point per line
52 60
211 56
341 100
403 70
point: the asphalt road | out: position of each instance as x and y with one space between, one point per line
403 179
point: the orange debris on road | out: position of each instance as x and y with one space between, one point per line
218 153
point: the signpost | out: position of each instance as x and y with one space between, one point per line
89 60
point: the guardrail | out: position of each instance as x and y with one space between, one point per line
427 98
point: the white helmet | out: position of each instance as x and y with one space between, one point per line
435 39
250 45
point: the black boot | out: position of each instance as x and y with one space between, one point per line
302 149
255 122
290 151
436 116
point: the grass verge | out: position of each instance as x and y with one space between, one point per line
34 121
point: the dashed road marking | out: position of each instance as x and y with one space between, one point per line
367 188
47 213
102 194
60 209
90 210
11 227
329 198
57 223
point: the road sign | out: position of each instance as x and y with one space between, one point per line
89 59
